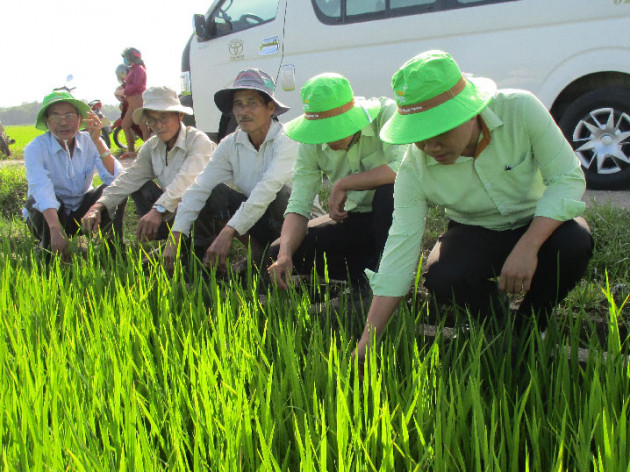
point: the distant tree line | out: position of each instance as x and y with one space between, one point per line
26 113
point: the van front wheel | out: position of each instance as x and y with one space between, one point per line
597 125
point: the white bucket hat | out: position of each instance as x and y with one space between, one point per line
159 99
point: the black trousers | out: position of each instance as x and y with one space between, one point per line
347 248
464 264
71 222
224 202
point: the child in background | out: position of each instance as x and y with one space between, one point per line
121 74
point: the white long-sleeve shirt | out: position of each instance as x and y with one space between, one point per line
258 174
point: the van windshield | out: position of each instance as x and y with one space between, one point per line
230 16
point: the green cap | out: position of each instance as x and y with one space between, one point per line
433 97
59 96
331 111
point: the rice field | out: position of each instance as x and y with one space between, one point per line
109 367
22 135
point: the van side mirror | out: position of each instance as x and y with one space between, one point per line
200 26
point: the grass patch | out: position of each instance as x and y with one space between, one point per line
22 135
13 189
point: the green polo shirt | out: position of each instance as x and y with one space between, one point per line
316 160
528 169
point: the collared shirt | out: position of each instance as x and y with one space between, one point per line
175 170
315 160
258 174
527 169
52 173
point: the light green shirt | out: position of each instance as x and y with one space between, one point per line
528 169
316 160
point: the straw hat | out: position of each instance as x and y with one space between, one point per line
159 99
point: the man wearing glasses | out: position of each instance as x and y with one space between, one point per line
60 167
173 156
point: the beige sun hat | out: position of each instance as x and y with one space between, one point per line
159 99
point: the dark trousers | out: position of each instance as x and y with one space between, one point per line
71 222
463 266
144 198
347 248
223 202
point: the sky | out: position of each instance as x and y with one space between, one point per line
42 42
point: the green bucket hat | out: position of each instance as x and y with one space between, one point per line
59 96
331 111
433 97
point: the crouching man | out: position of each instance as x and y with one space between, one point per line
339 136
60 166
510 184
174 156
256 160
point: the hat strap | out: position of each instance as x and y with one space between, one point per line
320 115
433 101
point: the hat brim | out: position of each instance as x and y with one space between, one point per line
416 127
224 98
82 107
139 114
328 130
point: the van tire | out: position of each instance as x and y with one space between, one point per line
118 135
608 109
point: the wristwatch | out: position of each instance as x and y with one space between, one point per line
159 209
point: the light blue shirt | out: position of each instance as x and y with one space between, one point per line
51 173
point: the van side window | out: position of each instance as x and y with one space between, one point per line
359 7
329 8
409 3
336 12
230 16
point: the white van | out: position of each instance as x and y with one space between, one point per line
573 54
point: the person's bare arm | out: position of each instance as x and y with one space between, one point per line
519 267
58 238
380 312
148 225
216 255
93 127
292 234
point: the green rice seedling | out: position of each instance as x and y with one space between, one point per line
111 366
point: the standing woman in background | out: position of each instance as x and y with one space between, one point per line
135 84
